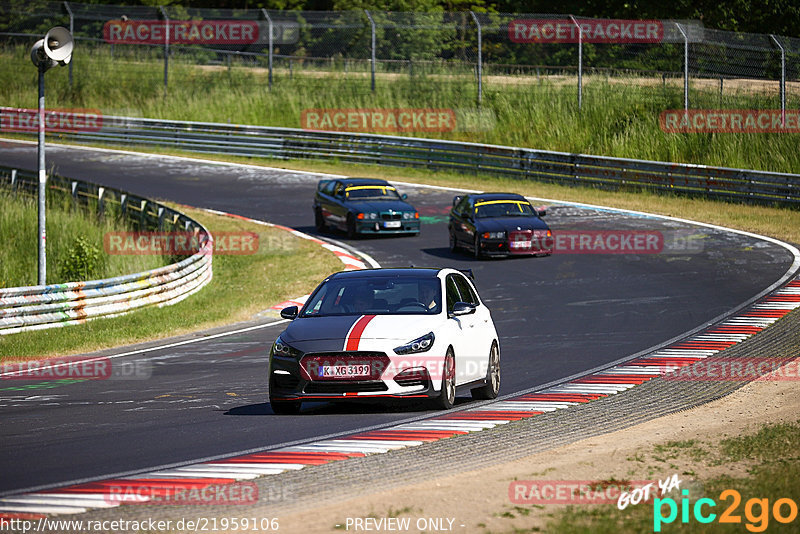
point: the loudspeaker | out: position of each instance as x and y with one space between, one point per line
54 49
58 45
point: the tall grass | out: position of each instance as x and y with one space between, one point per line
65 223
619 116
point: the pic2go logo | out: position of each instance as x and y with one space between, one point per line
756 511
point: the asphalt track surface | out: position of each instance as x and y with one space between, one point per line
556 316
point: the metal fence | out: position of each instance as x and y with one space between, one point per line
522 163
40 307
487 50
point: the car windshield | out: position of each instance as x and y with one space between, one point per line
376 296
503 208
373 192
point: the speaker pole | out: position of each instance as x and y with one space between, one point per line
42 184
54 49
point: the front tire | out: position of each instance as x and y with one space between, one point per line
492 387
476 248
447 395
351 227
453 244
319 221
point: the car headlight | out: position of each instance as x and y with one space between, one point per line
421 344
367 216
280 348
410 215
494 235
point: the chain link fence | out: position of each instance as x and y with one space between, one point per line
482 52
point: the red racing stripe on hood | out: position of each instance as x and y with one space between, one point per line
354 336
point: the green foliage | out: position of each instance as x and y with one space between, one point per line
67 259
81 262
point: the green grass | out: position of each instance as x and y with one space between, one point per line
243 285
619 116
65 223
773 465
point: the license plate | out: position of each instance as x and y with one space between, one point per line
521 244
392 224
344 371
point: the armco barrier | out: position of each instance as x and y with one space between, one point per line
39 307
557 167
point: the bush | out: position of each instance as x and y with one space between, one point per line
82 261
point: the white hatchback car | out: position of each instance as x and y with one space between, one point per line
386 333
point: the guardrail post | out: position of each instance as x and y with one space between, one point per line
685 67
72 32
580 62
269 60
123 205
143 214
372 54
783 81
101 209
480 57
165 17
13 179
160 218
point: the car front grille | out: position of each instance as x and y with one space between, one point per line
391 216
338 388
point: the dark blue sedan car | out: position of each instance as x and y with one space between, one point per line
363 206
498 224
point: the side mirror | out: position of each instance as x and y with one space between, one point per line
403 196
462 308
457 199
541 212
289 313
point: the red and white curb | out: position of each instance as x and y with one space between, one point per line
712 340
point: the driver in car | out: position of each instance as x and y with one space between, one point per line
428 295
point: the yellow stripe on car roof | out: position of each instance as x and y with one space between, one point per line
354 187
520 202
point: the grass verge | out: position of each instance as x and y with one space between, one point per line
765 467
619 117
67 224
243 285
